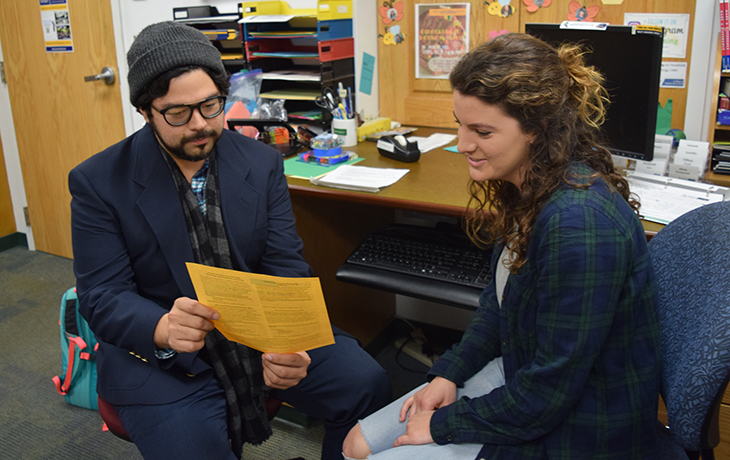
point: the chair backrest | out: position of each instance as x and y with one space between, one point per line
691 258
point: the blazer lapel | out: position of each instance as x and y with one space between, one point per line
238 198
160 204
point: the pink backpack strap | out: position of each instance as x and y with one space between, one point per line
74 342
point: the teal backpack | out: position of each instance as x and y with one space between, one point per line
77 383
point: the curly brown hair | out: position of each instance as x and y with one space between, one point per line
555 96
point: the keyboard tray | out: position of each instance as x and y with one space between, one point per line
437 264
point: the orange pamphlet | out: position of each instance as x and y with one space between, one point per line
268 313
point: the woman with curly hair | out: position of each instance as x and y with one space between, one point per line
562 357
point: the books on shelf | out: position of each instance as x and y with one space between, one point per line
724 6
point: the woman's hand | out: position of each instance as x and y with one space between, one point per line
418 429
439 393
420 407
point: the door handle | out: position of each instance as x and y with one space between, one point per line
106 75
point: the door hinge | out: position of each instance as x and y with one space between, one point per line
2 72
27 216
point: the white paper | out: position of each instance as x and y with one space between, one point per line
699 147
657 167
266 18
692 153
664 199
360 178
433 141
684 172
673 75
662 146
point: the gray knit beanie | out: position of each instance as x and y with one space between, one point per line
164 46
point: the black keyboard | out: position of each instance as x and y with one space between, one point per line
438 264
419 251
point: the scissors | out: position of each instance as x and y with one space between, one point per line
329 99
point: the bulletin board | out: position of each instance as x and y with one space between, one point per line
428 101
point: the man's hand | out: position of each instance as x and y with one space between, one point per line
185 326
284 370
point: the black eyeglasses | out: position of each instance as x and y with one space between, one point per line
178 115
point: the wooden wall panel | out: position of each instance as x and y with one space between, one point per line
427 102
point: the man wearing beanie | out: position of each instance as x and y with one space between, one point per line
183 189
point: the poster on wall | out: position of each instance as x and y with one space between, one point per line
674 75
56 26
676 30
442 32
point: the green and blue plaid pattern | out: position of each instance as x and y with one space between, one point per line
579 338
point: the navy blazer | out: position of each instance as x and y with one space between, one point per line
131 242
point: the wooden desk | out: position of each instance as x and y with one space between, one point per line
436 183
333 222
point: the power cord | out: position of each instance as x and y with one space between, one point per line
418 347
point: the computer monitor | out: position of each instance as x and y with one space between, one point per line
630 59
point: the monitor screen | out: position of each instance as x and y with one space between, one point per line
630 60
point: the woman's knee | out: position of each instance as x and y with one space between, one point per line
355 446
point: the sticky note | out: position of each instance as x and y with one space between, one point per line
366 73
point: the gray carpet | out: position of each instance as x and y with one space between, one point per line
37 423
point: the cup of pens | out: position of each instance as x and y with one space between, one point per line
346 129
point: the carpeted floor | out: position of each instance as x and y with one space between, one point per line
36 423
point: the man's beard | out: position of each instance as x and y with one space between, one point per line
178 151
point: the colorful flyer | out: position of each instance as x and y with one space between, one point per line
443 38
56 26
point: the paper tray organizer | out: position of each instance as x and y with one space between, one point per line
326 51
326 9
299 28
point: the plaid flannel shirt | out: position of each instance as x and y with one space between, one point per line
197 183
579 337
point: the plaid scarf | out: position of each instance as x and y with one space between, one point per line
237 367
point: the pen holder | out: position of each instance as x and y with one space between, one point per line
345 129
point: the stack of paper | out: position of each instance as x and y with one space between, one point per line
360 178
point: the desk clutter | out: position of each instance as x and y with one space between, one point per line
682 158
720 162
326 151
276 133
672 183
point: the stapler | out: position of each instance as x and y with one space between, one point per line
399 148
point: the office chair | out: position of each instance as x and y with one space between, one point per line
114 425
691 258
